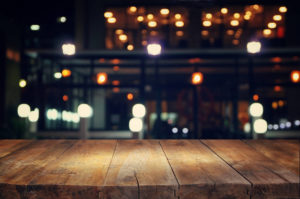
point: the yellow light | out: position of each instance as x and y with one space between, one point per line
230 32
112 20
132 9
108 14
164 11
272 25
274 105
204 33
66 73
119 31
256 7
130 47
140 18
130 96
282 9
35 27
179 33
123 37
208 16
248 13
22 83
234 22
277 17
236 15
152 24
224 10
206 23
197 78
101 78
295 76
267 32
179 23
247 17
177 16
150 16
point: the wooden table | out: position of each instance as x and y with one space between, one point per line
158 169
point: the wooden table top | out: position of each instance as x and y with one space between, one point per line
158 169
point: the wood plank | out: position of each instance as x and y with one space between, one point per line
269 180
78 173
19 168
9 146
139 169
285 152
201 173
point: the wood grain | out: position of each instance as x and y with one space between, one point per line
20 167
9 146
269 180
285 152
202 174
139 169
79 172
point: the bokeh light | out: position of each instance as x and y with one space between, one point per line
85 110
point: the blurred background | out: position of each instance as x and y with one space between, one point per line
167 69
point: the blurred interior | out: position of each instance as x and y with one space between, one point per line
139 69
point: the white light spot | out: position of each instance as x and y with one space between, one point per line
174 130
247 127
185 130
138 110
260 126
68 49
256 110
253 47
35 27
34 115
136 124
84 110
23 110
57 75
154 49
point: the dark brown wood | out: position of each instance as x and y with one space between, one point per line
9 146
139 169
285 152
269 180
201 173
142 169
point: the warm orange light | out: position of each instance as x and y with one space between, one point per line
140 18
234 22
108 14
177 16
277 17
123 37
130 96
235 42
115 82
179 33
282 9
66 73
115 61
150 16
101 60
277 88
255 97
112 20
204 33
236 15
116 68
256 7
208 16
276 59
152 24
206 23
224 10
65 98
272 25
132 9
197 78
247 17
130 47
267 32
101 78
179 24
295 76
280 103
164 11
116 89
230 32
119 31
274 105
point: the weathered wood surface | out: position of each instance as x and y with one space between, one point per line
285 152
269 179
201 173
181 169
